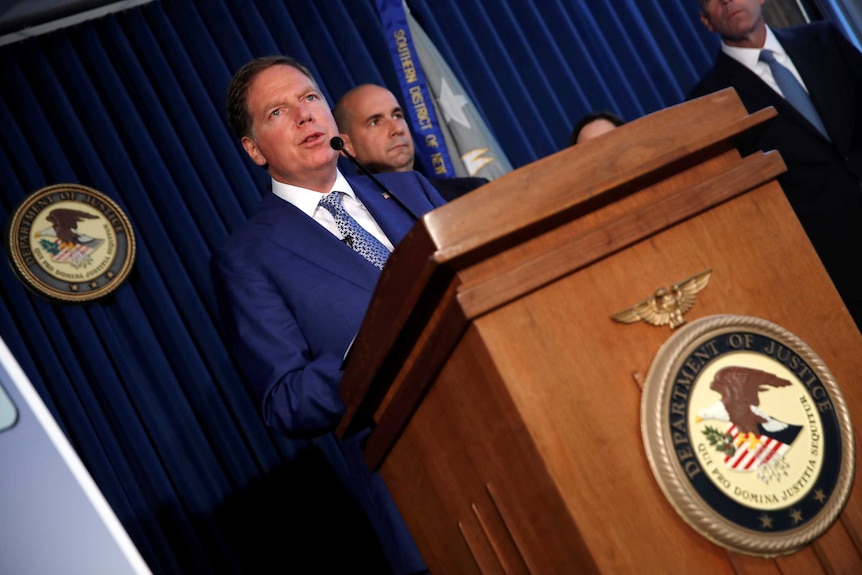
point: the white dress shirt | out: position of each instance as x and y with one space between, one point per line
750 58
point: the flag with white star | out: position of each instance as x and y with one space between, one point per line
465 132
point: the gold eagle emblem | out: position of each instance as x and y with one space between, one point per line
667 305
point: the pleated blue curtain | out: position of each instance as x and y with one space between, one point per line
535 68
132 104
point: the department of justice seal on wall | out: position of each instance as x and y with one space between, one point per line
70 243
748 435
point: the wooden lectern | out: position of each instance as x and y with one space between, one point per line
505 400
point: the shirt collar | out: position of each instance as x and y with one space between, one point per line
307 200
750 56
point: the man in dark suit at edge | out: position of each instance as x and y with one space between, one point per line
295 283
824 178
375 132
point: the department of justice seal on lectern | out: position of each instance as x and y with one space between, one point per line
747 434
70 243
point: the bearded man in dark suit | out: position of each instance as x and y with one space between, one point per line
823 181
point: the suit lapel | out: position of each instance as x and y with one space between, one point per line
391 217
757 93
302 238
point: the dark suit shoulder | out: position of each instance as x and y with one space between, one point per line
821 43
411 182
451 188
815 29
253 232
399 177
718 77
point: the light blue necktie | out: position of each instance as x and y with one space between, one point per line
355 235
793 91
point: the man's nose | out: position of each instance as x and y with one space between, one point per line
304 114
396 127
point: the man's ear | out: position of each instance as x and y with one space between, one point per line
253 151
348 145
705 19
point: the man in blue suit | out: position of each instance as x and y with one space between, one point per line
823 182
293 287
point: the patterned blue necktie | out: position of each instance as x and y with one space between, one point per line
355 235
793 90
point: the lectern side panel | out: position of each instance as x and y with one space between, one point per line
832 551
466 470
805 562
575 387
572 371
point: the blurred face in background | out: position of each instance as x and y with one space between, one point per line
595 129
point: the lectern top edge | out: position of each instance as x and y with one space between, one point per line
525 198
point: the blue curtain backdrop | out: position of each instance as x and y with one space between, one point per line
132 105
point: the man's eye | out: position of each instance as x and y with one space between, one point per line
373 122
276 112
311 98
